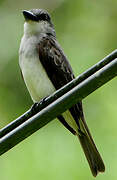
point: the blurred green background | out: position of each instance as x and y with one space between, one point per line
87 31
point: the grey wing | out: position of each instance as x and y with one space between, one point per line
59 71
54 61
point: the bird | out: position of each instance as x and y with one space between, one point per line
45 69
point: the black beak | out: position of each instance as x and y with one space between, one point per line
29 16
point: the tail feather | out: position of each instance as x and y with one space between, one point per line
93 157
78 127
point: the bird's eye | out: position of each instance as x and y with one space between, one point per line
44 17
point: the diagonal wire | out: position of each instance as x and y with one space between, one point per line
59 93
72 96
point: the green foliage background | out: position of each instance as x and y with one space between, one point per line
87 31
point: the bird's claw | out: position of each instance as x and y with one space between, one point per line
35 106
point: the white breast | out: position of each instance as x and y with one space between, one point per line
35 77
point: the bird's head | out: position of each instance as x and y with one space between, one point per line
38 21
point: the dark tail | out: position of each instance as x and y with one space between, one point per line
94 159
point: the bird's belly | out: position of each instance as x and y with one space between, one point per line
39 85
36 79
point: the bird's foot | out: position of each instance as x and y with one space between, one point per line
43 101
35 107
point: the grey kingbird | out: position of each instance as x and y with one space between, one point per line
45 69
